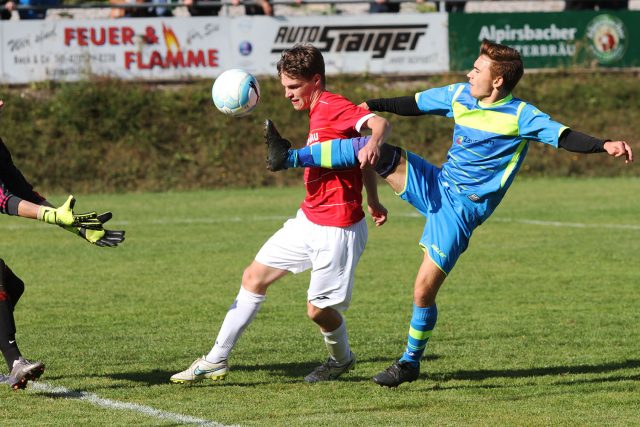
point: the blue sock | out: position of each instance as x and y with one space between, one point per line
422 323
331 154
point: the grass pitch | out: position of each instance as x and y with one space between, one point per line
538 322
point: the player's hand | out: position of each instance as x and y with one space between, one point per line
102 238
619 149
64 215
369 154
364 105
378 213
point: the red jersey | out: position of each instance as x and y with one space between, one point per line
334 197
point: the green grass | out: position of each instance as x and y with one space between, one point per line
538 322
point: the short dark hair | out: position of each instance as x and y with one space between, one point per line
303 60
505 62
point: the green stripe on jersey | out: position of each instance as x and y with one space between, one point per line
486 120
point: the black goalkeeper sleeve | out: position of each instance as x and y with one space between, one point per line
579 142
13 185
402 106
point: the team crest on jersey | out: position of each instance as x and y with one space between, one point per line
607 38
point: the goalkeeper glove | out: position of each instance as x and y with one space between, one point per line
64 216
102 237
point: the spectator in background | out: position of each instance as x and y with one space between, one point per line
196 9
384 6
455 7
9 6
161 11
389 6
140 12
261 7
35 13
598 4
121 12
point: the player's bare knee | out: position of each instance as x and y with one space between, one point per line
425 296
314 313
328 318
253 281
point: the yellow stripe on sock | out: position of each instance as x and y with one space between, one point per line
419 335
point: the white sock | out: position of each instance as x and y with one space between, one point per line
240 314
338 344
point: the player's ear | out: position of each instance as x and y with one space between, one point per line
498 82
317 80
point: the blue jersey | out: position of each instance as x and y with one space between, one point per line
490 141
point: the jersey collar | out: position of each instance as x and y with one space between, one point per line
503 101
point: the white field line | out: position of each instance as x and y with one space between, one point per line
96 400
568 224
236 219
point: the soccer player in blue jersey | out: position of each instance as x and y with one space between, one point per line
490 141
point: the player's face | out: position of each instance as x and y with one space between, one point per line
302 93
480 78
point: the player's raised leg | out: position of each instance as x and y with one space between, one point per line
331 154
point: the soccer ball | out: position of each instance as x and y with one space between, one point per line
235 92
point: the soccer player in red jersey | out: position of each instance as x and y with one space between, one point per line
327 235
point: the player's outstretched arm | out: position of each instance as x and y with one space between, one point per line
402 106
64 215
579 142
619 149
94 234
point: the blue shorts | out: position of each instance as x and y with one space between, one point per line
450 218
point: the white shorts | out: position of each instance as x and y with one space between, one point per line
331 253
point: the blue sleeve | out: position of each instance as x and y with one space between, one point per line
438 100
537 126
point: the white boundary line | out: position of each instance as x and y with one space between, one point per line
568 224
94 399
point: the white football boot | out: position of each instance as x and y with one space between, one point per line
23 371
200 370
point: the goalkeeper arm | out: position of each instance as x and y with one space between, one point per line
64 215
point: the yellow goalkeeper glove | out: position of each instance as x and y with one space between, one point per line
64 216
110 238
